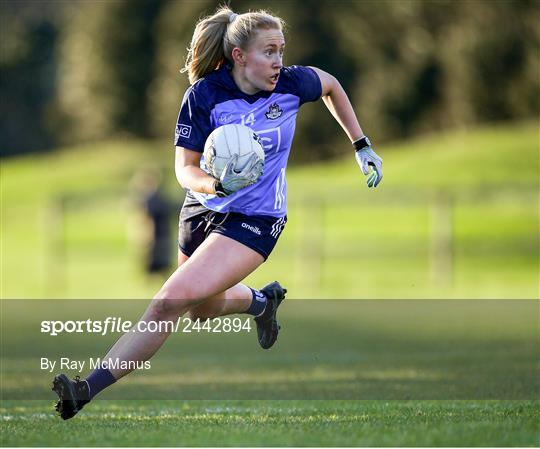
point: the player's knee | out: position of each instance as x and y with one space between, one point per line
169 303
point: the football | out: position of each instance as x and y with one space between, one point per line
228 140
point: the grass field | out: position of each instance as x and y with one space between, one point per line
454 220
445 372
279 423
66 219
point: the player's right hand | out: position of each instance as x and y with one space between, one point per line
231 180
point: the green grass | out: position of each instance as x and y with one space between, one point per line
451 349
278 423
343 373
482 184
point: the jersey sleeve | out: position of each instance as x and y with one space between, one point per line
193 123
307 83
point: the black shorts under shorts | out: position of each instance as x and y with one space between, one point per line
258 232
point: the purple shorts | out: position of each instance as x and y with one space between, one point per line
258 232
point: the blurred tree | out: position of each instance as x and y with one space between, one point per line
503 86
28 65
90 70
172 33
107 64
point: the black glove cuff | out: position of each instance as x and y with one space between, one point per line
361 143
220 191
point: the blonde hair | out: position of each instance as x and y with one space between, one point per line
217 35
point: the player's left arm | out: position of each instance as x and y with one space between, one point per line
336 100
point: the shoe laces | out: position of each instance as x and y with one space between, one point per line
81 386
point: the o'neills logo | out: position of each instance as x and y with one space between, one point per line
254 229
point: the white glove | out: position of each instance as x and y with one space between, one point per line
231 180
367 158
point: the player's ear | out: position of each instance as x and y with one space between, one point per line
239 56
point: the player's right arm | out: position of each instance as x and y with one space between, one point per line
189 174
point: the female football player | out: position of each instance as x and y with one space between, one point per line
228 227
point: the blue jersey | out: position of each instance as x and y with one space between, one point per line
215 100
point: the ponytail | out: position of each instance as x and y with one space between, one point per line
216 36
205 52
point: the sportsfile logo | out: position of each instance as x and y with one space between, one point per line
253 229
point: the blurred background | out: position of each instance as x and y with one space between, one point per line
448 91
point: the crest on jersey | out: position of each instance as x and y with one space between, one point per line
274 112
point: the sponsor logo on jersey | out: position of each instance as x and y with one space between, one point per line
183 131
270 139
257 138
253 229
274 112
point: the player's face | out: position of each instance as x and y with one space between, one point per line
264 59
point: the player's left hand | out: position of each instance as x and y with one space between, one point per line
233 180
367 158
